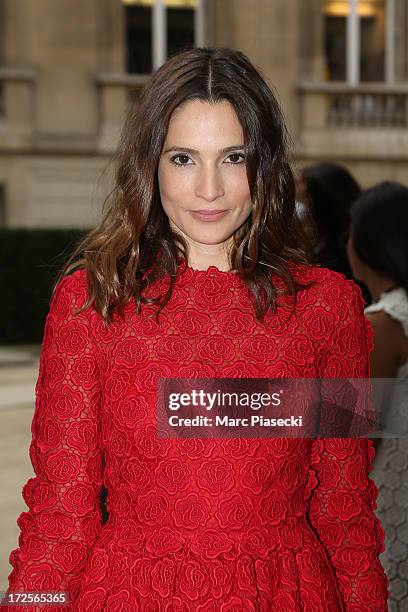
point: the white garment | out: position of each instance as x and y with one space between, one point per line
390 473
395 304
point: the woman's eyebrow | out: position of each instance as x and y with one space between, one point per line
188 150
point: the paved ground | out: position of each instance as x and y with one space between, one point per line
18 375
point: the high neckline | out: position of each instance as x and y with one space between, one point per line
212 273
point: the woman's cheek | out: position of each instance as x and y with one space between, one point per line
175 186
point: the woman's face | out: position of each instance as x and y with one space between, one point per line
202 178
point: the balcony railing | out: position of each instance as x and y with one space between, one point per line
335 117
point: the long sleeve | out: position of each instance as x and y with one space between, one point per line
63 520
343 502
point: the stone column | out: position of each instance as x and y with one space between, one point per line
268 32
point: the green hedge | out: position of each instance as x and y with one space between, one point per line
31 260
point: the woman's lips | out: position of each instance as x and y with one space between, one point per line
208 215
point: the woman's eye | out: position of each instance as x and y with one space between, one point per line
184 160
236 158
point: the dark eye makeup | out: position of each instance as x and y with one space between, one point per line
186 158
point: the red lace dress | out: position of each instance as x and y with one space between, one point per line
197 524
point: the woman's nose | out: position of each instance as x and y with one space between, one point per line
209 185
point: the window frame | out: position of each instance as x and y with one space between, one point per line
353 44
160 30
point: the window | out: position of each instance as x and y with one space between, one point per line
180 29
357 40
138 39
156 29
336 48
372 46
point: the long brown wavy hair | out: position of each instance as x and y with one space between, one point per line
121 254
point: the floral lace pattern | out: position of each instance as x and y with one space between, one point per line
197 524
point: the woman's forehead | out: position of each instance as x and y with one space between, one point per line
204 122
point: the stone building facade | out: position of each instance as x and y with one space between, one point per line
68 69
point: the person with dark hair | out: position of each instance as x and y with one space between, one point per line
378 252
198 269
327 192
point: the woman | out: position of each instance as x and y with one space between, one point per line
328 190
196 266
378 253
